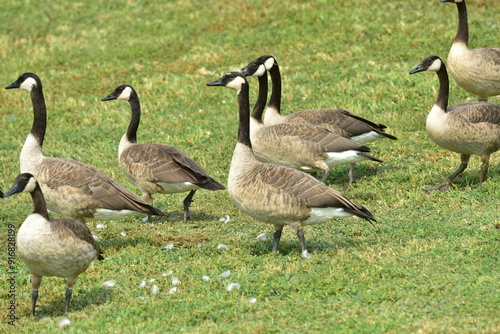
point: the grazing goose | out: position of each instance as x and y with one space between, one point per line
72 189
275 194
305 147
359 129
467 128
475 70
157 168
58 247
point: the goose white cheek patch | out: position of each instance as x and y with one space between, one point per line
125 94
28 84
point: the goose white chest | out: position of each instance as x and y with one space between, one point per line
46 254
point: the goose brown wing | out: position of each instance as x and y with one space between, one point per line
478 112
92 183
64 227
308 190
165 163
318 136
343 119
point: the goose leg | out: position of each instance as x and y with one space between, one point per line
148 199
352 176
277 237
69 292
326 174
484 168
300 234
35 284
443 186
187 202
302 239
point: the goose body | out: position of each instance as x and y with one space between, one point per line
71 188
475 70
154 167
338 120
275 194
299 145
467 128
58 247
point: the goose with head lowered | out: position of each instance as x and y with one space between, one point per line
355 127
71 188
275 194
305 147
467 128
58 247
157 168
475 70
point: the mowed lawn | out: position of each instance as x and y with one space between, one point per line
431 264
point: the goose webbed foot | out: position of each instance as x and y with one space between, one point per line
187 203
444 186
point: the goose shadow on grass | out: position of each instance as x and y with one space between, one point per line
80 300
290 246
338 175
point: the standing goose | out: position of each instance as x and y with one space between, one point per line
359 129
305 147
157 168
475 70
58 247
71 188
467 128
275 194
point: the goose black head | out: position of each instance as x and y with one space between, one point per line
431 63
23 183
123 92
254 68
26 81
234 80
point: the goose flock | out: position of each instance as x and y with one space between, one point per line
273 172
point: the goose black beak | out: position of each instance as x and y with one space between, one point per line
109 97
13 85
217 82
418 68
14 190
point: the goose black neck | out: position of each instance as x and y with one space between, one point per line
275 99
40 206
135 106
444 88
39 114
258 108
463 26
244 115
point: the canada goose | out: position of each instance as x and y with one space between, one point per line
58 247
305 147
475 70
359 129
71 188
275 194
467 128
157 168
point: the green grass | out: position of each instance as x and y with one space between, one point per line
431 264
